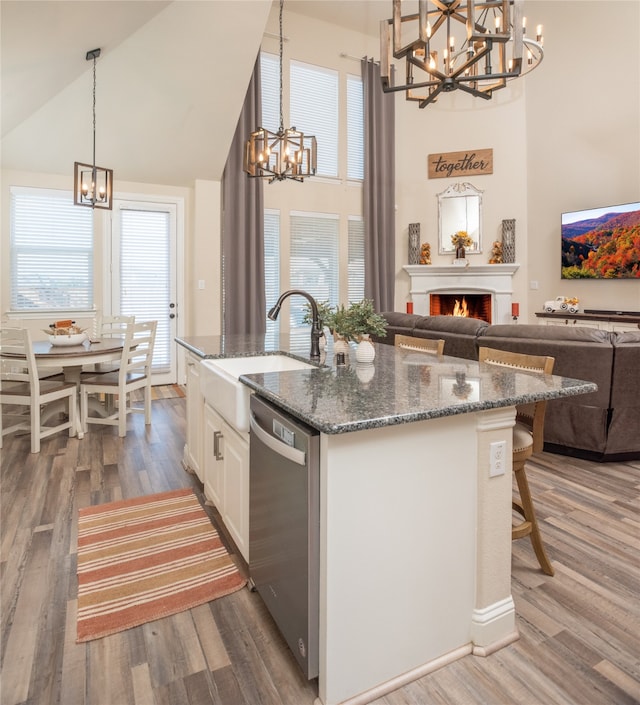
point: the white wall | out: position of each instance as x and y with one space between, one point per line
583 137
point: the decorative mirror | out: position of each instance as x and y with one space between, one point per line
460 208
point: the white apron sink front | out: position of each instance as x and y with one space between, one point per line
223 391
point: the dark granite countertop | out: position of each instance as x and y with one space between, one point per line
399 387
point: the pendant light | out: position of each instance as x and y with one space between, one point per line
93 185
286 154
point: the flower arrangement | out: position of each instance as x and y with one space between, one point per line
461 239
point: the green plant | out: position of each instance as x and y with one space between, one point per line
361 320
325 314
349 323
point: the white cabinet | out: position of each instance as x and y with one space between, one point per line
192 457
226 476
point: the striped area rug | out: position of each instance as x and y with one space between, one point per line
146 558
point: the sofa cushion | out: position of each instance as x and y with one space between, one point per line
451 324
458 332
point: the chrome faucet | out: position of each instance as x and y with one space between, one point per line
316 331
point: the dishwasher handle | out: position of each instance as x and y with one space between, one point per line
297 456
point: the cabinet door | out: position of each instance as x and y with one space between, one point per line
213 458
195 409
236 487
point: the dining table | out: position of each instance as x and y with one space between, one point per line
72 358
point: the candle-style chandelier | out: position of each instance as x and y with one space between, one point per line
470 45
285 154
93 185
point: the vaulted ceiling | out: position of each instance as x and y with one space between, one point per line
170 80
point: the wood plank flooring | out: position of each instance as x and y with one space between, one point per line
579 631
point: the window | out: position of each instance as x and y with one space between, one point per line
144 262
51 252
322 253
272 267
355 128
270 91
313 259
356 259
314 111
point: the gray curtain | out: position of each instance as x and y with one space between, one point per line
244 306
379 189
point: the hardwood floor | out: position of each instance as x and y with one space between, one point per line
579 631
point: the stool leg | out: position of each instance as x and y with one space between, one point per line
530 516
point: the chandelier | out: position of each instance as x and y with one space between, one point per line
468 45
285 154
93 185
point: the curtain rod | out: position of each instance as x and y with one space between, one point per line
344 55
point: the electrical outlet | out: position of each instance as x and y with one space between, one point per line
533 284
497 458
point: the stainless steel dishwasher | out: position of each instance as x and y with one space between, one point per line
284 508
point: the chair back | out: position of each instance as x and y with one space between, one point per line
17 360
137 351
114 326
408 342
532 414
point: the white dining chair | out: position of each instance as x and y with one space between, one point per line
108 327
21 387
134 373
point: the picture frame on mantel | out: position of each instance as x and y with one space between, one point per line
460 208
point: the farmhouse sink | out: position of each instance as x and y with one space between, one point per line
222 389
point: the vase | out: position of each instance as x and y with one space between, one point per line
460 252
365 351
340 345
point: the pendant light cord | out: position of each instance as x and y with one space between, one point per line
281 44
94 112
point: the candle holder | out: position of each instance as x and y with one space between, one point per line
515 311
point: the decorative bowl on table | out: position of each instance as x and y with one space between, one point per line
66 333
69 339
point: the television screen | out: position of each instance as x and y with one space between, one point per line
601 243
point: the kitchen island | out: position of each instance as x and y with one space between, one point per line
415 522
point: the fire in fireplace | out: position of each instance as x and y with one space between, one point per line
467 305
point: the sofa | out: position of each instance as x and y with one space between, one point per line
603 425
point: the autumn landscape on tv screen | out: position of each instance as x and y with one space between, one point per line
602 244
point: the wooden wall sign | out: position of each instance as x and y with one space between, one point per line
449 165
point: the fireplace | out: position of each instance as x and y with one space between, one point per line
463 304
489 283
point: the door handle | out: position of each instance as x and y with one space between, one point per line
217 435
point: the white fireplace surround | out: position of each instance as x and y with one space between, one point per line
494 279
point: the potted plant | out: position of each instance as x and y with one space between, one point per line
325 317
362 322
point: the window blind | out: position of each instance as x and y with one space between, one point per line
313 260
145 276
355 128
272 268
356 258
314 111
51 252
270 91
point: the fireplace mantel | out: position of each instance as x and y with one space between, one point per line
495 279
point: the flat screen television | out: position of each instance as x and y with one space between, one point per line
601 243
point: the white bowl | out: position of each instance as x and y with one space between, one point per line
75 339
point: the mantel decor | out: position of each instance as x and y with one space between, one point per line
474 46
